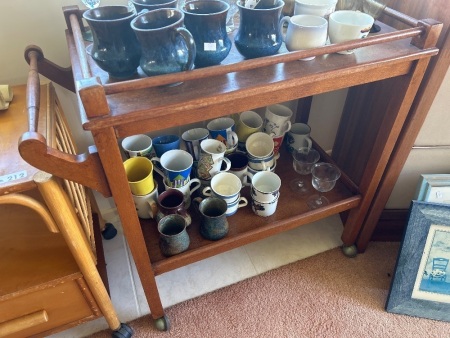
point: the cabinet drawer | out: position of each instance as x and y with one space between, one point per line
62 302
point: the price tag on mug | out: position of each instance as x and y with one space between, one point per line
209 46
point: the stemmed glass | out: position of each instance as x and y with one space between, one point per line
303 160
374 8
324 177
91 4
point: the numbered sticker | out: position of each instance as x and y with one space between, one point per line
13 177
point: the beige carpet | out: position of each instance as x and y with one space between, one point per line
327 295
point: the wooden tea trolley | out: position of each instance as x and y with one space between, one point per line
386 68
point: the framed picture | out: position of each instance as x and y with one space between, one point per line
421 284
433 188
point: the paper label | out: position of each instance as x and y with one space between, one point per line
209 46
13 177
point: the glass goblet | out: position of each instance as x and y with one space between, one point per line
374 8
303 160
324 177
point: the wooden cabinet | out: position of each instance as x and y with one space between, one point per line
46 285
394 61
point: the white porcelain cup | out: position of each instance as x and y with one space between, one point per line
212 154
265 209
298 137
259 145
232 207
137 145
304 32
321 8
188 189
277 119
224 185
348 25
265 186
146 205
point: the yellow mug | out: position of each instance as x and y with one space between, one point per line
139 172
249 122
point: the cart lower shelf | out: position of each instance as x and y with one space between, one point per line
245 227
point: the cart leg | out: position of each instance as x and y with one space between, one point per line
67 221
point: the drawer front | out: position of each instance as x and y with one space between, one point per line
44 310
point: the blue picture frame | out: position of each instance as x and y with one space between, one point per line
421 283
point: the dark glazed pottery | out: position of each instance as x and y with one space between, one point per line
167 47
259 31
213 223
173 237
206 20
150 5
115 48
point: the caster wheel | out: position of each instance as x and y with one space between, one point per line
124 332
109 232
350 251
162 324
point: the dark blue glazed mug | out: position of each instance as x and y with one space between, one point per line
259 32
167 47
206 20
150 5
115 48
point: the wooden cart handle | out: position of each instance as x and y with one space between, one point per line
85 169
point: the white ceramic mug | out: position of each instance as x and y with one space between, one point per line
232 207
277 119
225 186
146 206
304 32
321 8
265 209
137 145
298 137
265 186
187 190
212 154
348 25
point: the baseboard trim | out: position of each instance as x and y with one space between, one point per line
391 225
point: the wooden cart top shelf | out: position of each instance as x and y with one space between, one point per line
145 104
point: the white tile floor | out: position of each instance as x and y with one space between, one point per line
202 277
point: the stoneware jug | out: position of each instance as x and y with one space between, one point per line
213 223
167 47
206 20
173 237
171 202
115 47
259 32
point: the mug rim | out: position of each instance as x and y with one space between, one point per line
337 18
87 13
212 3
153 12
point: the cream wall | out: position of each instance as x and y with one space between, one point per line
42 23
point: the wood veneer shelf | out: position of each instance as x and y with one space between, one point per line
393 60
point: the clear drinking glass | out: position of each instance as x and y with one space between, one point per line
324 177
303 160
